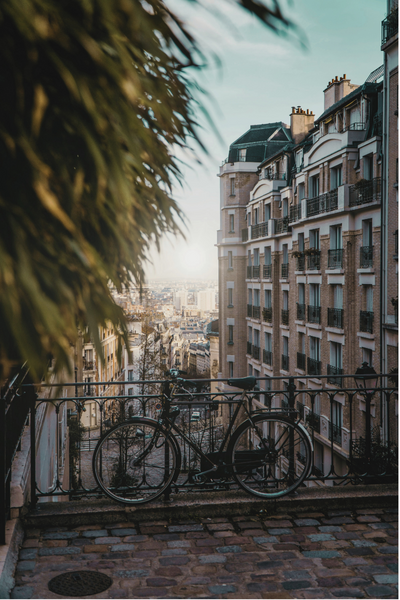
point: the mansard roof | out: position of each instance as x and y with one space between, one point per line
366 88
260 141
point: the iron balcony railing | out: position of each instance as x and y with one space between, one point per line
295 213
267 357
255 352
301 361
334 372
390 26
314 421
335 259
249 310
314 314
282 225
301 262
89 365
335 434
354 127
253 272
256 312
267 271
272 176
365 191
249 347
285 362
335 317
259 230
366 321
245 235
285 316
322 204
366 257
285 270
313 366
314 260
301 311
267 314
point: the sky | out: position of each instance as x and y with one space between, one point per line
257 78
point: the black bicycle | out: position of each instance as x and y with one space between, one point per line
269 454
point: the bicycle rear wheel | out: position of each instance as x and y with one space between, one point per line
136 461
271 458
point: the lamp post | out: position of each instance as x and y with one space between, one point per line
366 380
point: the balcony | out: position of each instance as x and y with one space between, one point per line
334 372
353 127
285 362
249 346
89 365
245 235
285 270
255 352
390 26
267 271
366 257
335 259
314 421
314 314
285 317
267 314
335 434
295 213
365 191
322 204
335 317
267 357
301 361
253 272
272 176
314 366
256 312
281 225
259 230
250 310
301 311
366 321
300 261
313 259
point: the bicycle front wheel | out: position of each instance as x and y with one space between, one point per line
270 458
136 461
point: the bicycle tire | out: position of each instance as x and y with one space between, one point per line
272 458
136 461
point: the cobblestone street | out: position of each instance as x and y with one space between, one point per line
338 554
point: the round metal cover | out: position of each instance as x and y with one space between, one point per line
80 583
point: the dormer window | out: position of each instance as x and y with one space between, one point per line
242 154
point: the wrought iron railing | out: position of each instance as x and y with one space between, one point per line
295 213
255 352
366 321
314 421
366 257
285 270
89 365
335 259
301 361
301 311
313 366
314 260
335 317
249 347
285 362
365 191
390 26
354 127
334 372
267 314
282 225
313 314
256 272
267 357
259 230
256 312
322 204
301 262
267 271
285 316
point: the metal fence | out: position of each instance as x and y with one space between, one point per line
356 432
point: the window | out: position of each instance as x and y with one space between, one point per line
314 238
256 257
230 369
369 298
230 259
336 355
256 338
314 294
337 414
285 346
230 334
130 375
248 219
231 223
302 343
285 207
267 255
338 296
302 293
367 356
268 342
230 296
336 177
256 297
267 298
336 237
130 391
267 212
301 242
314 348
232 180
250 371
367 232
285 300
250 296
285 254
256 216
314 186
250 334
267 397
300 192
249 259
242 154
368 167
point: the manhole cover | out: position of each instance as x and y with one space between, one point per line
80 583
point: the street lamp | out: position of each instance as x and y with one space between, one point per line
366 380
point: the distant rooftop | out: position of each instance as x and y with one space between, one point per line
260 142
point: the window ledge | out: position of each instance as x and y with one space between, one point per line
365 334
366 270
334 330
314 326
230 343
334 271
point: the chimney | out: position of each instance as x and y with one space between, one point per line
301 122
336 90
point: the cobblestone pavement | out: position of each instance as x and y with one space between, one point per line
338 554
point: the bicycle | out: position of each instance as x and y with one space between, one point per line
269 454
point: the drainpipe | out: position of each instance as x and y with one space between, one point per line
383 262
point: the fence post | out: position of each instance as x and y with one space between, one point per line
3 495
32 400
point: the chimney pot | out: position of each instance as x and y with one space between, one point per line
344 76
336 78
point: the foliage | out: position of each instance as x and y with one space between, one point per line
96 99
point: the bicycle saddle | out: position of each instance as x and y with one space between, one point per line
243 383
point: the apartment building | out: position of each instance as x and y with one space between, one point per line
299 254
